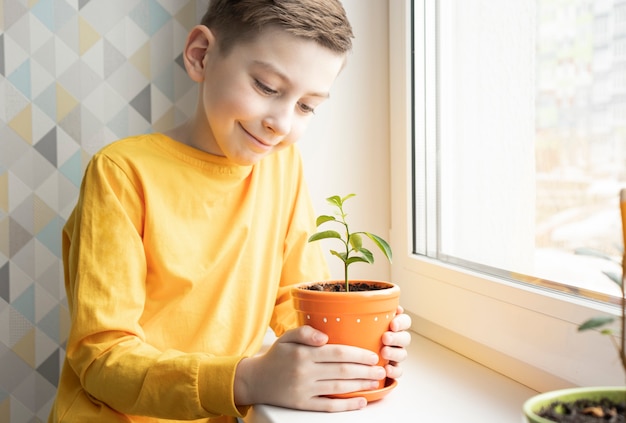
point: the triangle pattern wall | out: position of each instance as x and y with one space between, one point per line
75 75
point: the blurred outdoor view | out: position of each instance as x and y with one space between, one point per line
580 139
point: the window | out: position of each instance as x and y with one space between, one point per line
529 146
506 159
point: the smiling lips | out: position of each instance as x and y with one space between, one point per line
258 141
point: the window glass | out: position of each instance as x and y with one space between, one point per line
529 145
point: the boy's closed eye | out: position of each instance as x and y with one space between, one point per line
305 108
264 88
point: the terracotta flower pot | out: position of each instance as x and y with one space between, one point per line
534 404
357 318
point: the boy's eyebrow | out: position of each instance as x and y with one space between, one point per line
271 68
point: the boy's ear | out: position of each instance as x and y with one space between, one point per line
199 41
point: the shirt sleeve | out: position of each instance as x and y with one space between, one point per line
303 261
105 269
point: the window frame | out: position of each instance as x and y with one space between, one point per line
525 332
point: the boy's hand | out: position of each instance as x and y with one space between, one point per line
300 368
396 340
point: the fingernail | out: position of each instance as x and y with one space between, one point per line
319 337
374 358
362 403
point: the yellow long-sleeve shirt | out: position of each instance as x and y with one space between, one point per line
176 262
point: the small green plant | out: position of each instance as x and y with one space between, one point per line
353 251
602 322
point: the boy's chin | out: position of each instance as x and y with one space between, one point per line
248 160
252 158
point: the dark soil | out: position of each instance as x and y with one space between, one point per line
341 287
585 411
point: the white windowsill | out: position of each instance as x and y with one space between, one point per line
438 385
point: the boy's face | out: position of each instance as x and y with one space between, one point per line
260 97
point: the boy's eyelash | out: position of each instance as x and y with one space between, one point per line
306 108
264 88
269 91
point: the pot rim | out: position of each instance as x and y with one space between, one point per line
390 288
548 396
345 303
388 284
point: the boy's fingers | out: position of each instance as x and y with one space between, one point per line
330 353
400 322
333 405
334 353
397 339
305 335
393 354
393 372
332 377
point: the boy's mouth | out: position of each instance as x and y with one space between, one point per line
256 140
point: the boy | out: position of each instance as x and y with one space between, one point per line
183 245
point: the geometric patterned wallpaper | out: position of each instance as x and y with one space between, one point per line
75 75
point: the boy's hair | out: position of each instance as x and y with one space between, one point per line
323 21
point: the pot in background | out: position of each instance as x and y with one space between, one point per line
533 405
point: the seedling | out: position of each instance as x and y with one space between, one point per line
353 250
603 322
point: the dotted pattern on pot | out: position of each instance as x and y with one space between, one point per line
358 319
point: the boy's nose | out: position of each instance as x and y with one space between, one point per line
279 122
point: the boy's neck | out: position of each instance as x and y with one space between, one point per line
180 133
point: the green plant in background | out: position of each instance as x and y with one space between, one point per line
353 251
603 322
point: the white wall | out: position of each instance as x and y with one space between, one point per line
346 148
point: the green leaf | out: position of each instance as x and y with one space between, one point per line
357 259
381 243
606 332
367 254
323 219
343 200
335 200
356 241
614 277
342 256
591 252
324 235
596 322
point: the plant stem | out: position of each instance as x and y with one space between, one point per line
346 262
622 350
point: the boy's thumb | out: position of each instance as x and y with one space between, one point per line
305 335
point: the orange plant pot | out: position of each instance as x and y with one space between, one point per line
357 318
